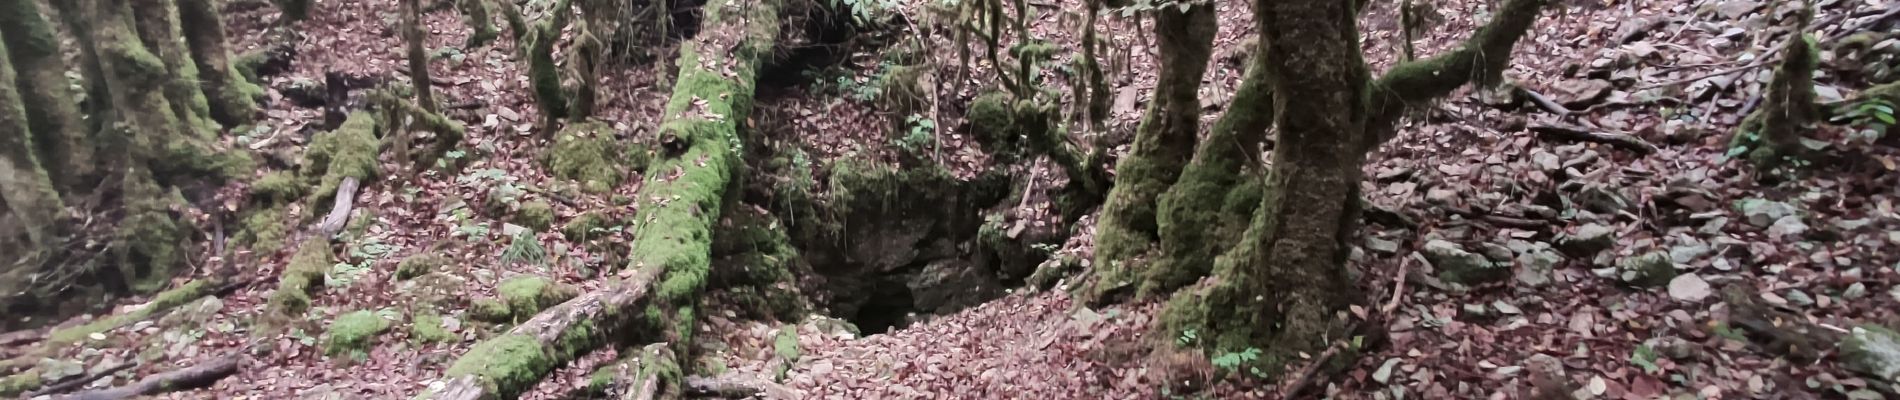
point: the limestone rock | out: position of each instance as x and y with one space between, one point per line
1873 350
1455 265
1647 270
1587 241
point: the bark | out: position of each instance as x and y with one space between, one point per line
77 15
158 26
418 58
476 11
59 138
1771 135
232 98
1284 288
1163 144
671 253
24 185
543 75
1206 211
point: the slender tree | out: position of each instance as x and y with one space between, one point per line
233 100
1163 144
58 135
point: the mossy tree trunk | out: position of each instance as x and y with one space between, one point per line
1163 144
58 136
76 15
1771 135
158 26
1283 289
670 256
233 99
24 185
1208 208
418 57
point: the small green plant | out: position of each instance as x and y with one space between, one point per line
922 135
1232 361
1645 357
1188 336
524 249
1873 117
366 254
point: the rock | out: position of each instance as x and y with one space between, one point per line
1787 227
1587 241
1647 270
1600 199
1535 266
1872 350
1580 93
1673 347
1381 246
1495 252
1736 9
1688 252
1762 213
1455 265
1854 291
1689 288
947 285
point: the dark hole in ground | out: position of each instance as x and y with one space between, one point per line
818 44
889 308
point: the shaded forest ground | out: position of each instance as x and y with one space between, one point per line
1576 225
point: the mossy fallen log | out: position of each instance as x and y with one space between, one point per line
682 199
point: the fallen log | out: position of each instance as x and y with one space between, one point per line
731 386
340 210
74 382
682 198
1582 134
196 376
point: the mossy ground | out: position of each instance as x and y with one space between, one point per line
354 332
347 152
420 264
587 152
537 215
427 328
163 302
302 277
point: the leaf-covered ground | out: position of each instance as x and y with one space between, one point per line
1561 215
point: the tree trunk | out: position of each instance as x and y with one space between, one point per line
59 138
1771 135
77 15
233 99
671 252
1163 144
24 185
158 26
1283 289
418 58
1207 210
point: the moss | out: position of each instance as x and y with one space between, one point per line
263 230
20 383
353 332
587 225
420 264
506 365
427 328
151 237
1648 270
491 310
484 31
529 294
302 277
164 301
537 215
587 152
276 187
992 121
1770 136
347 152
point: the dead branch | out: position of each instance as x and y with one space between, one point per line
1544 102
193 377
732 386
16 338
1583 134
340 211
1304 378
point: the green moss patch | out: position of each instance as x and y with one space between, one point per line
419 265
347 152
537 215
506 365
354 331
164 301
587 226
428 328
529 294
587 152
303 277
276 187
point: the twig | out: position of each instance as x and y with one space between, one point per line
1583 134
1763 60
1398 289
1544 102
1304 378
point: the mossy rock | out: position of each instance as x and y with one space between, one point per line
537 215
529 294
420 264
1648 270
506 364
588 225
15 384
587 152
1873 350
353 332
428 328
490 310
264 230
436 289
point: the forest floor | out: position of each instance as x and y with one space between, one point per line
1822 248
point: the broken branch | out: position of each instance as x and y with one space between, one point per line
1582 134
196 376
